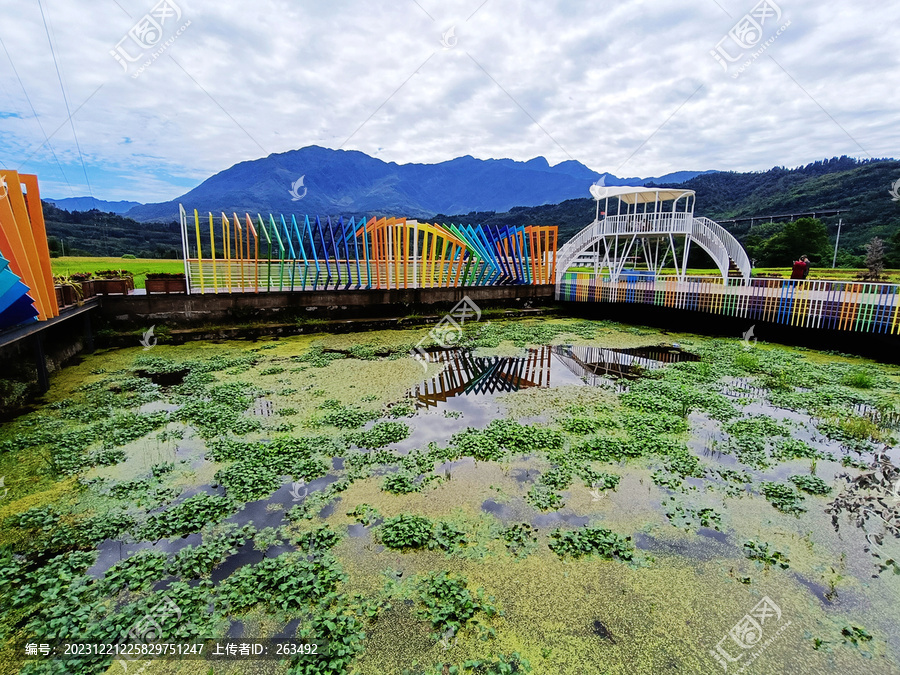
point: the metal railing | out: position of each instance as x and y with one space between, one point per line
723 239
834 305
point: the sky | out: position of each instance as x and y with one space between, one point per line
140 100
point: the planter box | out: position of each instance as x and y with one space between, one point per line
87 289
113 286
172 285
66 295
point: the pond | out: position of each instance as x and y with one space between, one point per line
552 496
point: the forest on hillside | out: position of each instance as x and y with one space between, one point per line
861 189
96 233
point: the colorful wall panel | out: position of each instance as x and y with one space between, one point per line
267 253
24 250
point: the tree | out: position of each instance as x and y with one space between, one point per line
804 236
874 260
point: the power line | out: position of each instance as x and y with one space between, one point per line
37 119
71 119
791 216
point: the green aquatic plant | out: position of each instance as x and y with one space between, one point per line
321 539
783 497
757 550
502 437
445 601
401 483
247 481
688 518
520 538
365 514
598 480
581 425
135 573
591 541
219 542
607 449
557 478
855 635
406 531
543 498
287 582
858 379
811 484
348 417
317 357
188 516
404 408
380 435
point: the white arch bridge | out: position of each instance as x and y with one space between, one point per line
653 228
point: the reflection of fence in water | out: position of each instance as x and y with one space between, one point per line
466 374
595 365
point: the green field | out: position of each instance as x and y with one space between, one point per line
139 267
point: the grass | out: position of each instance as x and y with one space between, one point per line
139 267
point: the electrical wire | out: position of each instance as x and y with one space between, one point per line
37 118
71 121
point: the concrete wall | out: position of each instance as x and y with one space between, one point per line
181 310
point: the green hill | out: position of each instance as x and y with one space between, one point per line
95 233
859 188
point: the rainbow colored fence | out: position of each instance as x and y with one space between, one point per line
233 254
834 305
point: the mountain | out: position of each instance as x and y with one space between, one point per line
88 203
861 189
348 182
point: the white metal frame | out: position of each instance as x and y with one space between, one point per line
607 244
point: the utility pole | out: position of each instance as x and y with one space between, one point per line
836 242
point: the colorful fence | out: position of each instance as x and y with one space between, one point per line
26 281
834 305
228 254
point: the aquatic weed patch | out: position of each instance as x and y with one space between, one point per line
783 497
447 603
688 518
188 516
380 435
761 552
811 484
409 532
591 541
520 539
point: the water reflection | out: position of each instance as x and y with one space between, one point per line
464 374
596 365
484 376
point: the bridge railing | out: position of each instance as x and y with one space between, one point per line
836 305
649 223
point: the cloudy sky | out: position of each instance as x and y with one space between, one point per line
161 96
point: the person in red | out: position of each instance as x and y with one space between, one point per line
800 268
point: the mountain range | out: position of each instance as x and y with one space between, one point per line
321 181
88 203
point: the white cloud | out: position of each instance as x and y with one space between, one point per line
600 81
